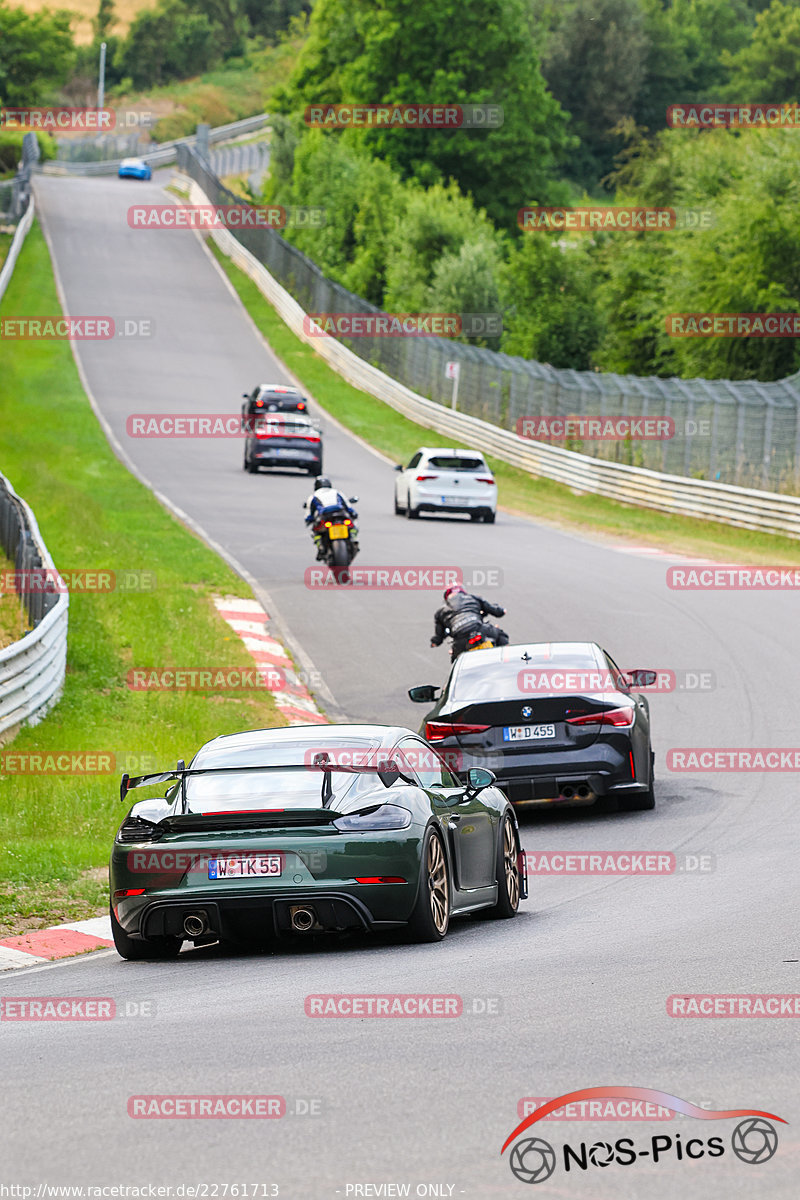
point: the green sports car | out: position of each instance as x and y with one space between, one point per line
306 829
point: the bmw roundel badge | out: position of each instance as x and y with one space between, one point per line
527 711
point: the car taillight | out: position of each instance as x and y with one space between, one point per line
137 829
612 716
422 478
435 731
306 438
380 879
301 407
121 895
484 479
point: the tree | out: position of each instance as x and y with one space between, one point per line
551 313
168 42
106 17
768 69
36 54
268 18
440 52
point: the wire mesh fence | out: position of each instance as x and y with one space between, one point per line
738 432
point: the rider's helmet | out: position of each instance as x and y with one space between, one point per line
322 481
455 587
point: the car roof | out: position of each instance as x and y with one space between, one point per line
279 387
310 735
538 653
133 162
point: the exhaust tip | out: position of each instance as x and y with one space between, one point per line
195 924
568 791
584 791
303 919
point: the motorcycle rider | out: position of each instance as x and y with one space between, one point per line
325 496
462 616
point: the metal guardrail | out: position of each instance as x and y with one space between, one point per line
21 232
745 508
32 670
162 156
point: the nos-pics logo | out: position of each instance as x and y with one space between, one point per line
533 1160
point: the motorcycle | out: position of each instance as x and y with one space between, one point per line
481 639
336 537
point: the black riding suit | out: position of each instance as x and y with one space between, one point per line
462 616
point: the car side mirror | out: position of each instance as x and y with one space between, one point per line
424 694
399 467
479 778
641 678
245 396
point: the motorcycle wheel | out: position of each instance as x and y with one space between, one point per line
340 553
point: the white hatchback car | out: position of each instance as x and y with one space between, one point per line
438 480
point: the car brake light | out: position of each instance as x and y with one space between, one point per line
435 731
306 438
301 407
128 892
612 716
484 479
422 478
259 403
380 879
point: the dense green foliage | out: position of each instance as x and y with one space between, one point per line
427 219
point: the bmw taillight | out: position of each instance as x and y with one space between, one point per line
484 479
619 717
436 731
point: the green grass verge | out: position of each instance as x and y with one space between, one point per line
93 514
5 242
543 499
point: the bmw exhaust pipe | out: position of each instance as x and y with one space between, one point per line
584 791
195 924
568 791
303 919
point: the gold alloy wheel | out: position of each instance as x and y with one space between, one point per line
438 887
510 862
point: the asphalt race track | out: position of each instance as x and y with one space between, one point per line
579 981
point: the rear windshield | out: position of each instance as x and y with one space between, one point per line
450 463
501 680
284 428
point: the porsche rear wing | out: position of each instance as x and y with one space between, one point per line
387 771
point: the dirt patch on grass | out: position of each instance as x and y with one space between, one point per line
34 906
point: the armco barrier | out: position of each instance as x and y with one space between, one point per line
707 500
32 670
165 154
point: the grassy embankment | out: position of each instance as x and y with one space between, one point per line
56 830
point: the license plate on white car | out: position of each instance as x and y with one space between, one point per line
245 866
528 733
451 500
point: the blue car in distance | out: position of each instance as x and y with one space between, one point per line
134 168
